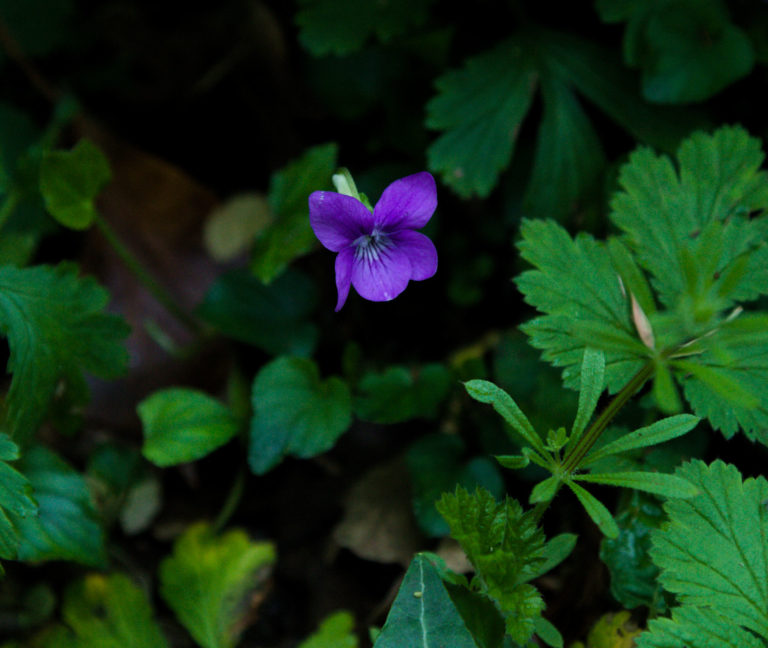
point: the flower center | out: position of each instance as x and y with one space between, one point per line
370 246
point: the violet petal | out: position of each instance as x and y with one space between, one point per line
338 220
384 277
420 251
344 262
408 203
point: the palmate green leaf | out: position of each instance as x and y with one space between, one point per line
56 330
480 107
577 288
109 612
335 631
15 498
343 26
688 50
290 236
183 425
505 547
70 182
295 412
725 569
701 210
692 627
423 614
208 580
66 526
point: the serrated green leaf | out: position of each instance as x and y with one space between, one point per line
569 160
505 547
437 464
343 26
67 525
658 432
687 50
423 614
480 107
295 412
634 577
272 318
70 181
592 382
649 482
56 331
15 498
397 395
335 631
290 236
486 392
600 515
726 569
692 627
110 612
183 425
577 288
717 185
208 579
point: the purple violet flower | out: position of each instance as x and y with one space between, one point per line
379 252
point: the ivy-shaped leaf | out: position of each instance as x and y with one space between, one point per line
505 547
688 50
295 412
208 579
724 574
56 330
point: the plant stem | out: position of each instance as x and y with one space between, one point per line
146 279
576 454
232 501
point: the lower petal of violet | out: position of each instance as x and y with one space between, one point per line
344 262
384 277
420 251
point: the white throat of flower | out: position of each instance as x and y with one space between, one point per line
370 246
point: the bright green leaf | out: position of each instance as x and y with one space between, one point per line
272 318
66 526
70 181
481 108
343 26
658 432
554 552
545 490
423 614
289 236
183 425
692 627
600 515
56 330
726 569
649 482
110 612
592 382
208 579
335 631
295 412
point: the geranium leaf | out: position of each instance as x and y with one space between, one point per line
295 412
208 579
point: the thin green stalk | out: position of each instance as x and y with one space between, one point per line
231 503
577 453
147 280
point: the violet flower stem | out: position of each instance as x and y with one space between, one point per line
146 279
584 445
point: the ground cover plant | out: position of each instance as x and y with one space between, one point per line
391 324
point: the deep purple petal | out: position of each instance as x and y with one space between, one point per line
338 220
408 203
384 277
420 251
344 261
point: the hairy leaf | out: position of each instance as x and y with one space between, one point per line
295 412
480 107
56 331
650 482
208 579
725 571
592 381
505 547
183 425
